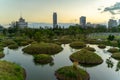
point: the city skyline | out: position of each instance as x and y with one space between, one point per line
69 11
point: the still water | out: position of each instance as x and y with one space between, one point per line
46 72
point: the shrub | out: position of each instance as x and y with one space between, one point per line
77 44
8 42
101 46
24 43
116 56
64 40
1 48
11 71
40 48
43 58
113 50
86 57
71 73
13 46
1 54
93 41
89 48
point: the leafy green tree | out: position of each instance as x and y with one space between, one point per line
38 36
118 44
111 37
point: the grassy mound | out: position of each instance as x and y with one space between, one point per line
23 41
77 44
86 57
89 48
40 48
8 42
64 40
101 46
71 73
113 50
1 48
11 71
1 54
13 46
43 58
93 41
116 56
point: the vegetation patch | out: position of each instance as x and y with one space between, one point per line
1 54
40 48
43 58
1 48
93 41
71 73
24 43
86 57
65 40
13 46
77 44
8 42
116 56
101 46
11 71
89 48
113 50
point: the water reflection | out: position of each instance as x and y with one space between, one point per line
109 62
118 66
46 71
43 64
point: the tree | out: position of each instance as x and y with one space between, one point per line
37 36
111 37
118 44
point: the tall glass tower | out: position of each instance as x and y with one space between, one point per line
54 20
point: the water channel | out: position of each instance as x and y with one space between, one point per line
34 71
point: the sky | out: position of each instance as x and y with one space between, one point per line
68 11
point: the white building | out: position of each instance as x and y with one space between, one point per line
21 23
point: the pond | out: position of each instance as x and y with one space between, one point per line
104 71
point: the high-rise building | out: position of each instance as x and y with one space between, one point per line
21 23
119 22
112 23
1 28
83 21
55 20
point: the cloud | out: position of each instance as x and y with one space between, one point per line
115 9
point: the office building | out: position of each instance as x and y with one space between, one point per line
55 20
21 23
83 21
112 23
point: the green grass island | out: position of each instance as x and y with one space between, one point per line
86 57
43 59
71 73
40 48
11 71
